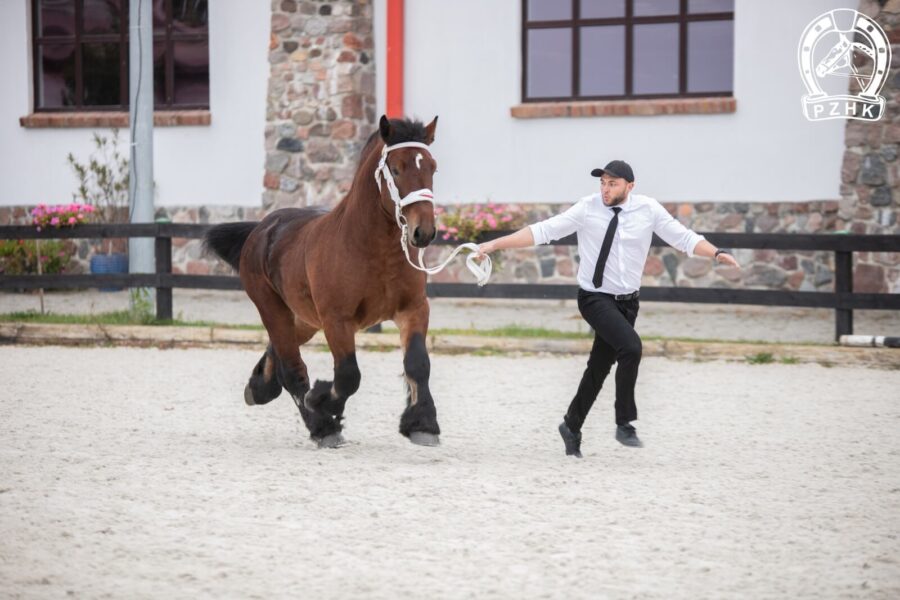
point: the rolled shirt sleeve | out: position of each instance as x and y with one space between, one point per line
559 226
674 233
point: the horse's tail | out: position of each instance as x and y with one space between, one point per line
228 239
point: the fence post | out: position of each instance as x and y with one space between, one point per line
843 283
163 267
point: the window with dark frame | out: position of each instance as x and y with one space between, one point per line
626 49
80 55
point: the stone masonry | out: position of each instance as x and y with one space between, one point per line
870 175
762 269
321 99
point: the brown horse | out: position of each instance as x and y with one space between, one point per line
341 271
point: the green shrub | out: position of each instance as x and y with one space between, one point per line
20 257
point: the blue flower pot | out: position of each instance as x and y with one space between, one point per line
109 263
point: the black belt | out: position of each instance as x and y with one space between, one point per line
618 297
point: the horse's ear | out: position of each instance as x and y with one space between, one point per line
384 126
429 131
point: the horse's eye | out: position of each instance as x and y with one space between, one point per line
395 171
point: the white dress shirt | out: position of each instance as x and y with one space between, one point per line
639 219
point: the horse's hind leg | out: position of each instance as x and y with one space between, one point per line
331 396
323 422
283 355
264 385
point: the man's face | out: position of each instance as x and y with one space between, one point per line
615 190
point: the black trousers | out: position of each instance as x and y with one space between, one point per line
615 340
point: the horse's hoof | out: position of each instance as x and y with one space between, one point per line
248 396
332 440
422 438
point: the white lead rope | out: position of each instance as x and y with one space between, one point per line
481 271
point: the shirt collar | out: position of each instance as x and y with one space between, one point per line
630 204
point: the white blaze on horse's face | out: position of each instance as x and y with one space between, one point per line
419 161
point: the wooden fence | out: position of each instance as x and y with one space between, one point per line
842 299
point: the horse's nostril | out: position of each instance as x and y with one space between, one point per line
417 234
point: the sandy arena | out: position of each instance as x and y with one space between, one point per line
141 473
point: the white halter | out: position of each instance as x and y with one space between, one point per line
482 271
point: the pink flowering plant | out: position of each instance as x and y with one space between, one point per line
21 257
61 215
466 222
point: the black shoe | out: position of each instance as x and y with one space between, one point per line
571 439
627 436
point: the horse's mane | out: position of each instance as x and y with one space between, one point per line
402 130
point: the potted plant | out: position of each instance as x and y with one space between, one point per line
103 182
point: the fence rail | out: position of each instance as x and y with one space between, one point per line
843 300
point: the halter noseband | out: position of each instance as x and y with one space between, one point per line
383 170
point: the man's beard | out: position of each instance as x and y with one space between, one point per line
618 200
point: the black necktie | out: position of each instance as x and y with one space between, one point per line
604 249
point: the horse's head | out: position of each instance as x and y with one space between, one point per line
409 168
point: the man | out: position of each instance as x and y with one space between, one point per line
614 231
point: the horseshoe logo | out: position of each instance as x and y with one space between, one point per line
864 41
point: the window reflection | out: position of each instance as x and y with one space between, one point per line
57 74
101 74
56 18
189 16
102 16
191 72
81 51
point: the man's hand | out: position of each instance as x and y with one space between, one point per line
726 259
486 248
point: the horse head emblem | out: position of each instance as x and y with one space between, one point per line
844 44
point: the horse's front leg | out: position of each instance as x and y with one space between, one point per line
419 420
330 397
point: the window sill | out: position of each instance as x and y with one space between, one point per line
161 118
623 108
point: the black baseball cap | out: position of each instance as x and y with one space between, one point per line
616 168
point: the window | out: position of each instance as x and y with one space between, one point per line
615 49
81 54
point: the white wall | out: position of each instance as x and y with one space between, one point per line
219 164
463 62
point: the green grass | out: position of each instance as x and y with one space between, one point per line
125 317
789 360
515 331
119 317
761 358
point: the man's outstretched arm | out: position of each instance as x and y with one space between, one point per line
523 238
704 248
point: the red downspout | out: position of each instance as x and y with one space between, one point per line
394 100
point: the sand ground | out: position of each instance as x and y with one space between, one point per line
140 473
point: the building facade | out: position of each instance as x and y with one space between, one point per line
531 94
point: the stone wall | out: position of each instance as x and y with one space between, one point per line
764 269
870 175
321 99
